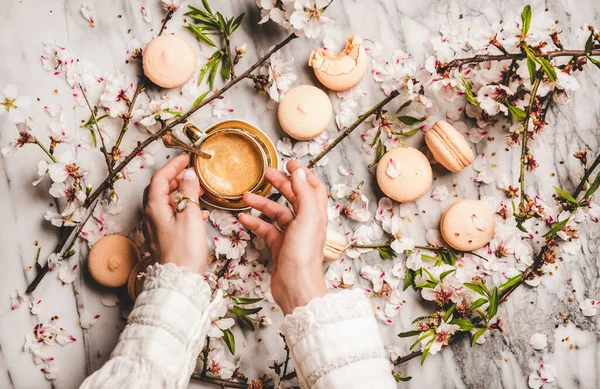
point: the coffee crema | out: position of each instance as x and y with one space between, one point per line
236 166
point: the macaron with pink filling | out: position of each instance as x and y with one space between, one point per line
404 174
449 147
467 225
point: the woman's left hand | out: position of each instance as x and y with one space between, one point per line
172 236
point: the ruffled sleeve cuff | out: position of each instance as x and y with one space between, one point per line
335 343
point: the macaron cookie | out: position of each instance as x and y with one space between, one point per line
404 174
342 71
111 259
467 225
335 245
449 147
135 280
169 61
304 112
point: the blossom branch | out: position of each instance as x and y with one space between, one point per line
39 143
376 108
168 17
103 148
229 57
126 119
501 57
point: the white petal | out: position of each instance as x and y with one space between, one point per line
538 341
440 193
344 172
109 300
393 169
480 223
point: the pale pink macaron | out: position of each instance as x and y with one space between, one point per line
304 112
111 259
169 61
467 225
404 174
449 147
335 245
343 71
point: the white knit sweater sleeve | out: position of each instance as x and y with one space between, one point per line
335 343
164 335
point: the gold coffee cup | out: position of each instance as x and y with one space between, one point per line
230 158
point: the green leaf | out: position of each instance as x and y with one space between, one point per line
411 121
229 340
206 6
595 61
444 274
557 227
381 150
408 278
222 23
478 335
247 322
409 133
240 311
449 312
246 300
465 325
426 350
377 135
517 113
493 308
426 257
212 74
469 92
593 188
478 303
409 334
198 32
426 285
531 66
565 196
386 252
225 67
589 44
478 287
548 68
526 19
406 104
423 336
94 138
431 276
510 283
400 378
200 98
236 23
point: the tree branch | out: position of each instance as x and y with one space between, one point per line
104 150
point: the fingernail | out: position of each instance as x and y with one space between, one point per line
301 174
189 175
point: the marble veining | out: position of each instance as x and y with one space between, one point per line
504 361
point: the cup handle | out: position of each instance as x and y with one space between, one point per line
193 133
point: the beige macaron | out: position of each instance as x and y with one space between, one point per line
335 245
342 71
449 147
111 259
404 174
304 112
169 61
135 280
467 225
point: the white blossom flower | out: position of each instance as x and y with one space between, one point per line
35 306
485 176
70 192
269 10
344 172
70 217
50 371
358 208
13 104
171 5
53 261
88 321
69 166
547 373
158 110
117 94
220 108
443 332
219 323
590 307
490 98
538 341
441 294
279 74
24 137
440 193
307 18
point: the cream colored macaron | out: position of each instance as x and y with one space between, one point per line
135 282
404 174
449 147
467 225
111 259
342 71
304 112
169 61
335 245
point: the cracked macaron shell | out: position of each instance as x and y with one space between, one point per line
449 147
342 71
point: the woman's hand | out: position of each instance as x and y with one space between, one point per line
297 249
175 237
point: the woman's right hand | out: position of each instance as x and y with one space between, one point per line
297 250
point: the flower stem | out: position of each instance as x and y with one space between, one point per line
228 49
586 176
127 117
524 149
39 143
103 149
377 107
168 17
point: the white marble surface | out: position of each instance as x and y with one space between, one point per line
504 361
